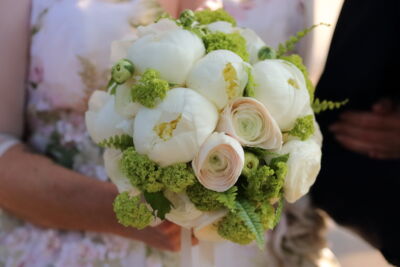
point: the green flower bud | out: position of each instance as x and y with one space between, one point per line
122 71
251 163
187 18
266 53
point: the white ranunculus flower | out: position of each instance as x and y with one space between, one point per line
173 131
221 26
281 87
124 105
112 158
220 76
206 229
249 122
102 122
219 162
304 165
172 53
253 43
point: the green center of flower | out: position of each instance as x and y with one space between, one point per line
248 124
217 162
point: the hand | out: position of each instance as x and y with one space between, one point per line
375 133
166 236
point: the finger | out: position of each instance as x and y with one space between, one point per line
175 242
384 106
168 226
388 155
379 139
371 120
354 144
195 241
366 148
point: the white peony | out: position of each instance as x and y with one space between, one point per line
124 105
253 43
219 162
220 76
102 121
281 87
174 131
119 49
221 26
161 26
303 167
172 53
112 158
249 122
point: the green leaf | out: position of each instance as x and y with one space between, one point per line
120 142
283 158
260 152
252 220
249 90
159 203
293 40
228 198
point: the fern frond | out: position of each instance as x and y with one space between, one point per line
120 142
319 106
293 40
252 221
278 212
228 198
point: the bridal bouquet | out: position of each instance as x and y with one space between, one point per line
206 126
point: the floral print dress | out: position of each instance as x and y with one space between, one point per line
70 50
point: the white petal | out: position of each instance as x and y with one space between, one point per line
97 100
163 25
253 43
281 87
207 77
226 151
304 165
193 118
124 105
183 212
112 158
101 118
172 53
119 49
221 26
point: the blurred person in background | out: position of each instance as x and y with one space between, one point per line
54 193
359 180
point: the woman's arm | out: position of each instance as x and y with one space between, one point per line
33 187
14 31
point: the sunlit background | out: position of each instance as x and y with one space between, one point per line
350 249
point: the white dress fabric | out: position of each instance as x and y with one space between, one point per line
70 51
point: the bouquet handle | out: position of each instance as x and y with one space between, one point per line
186 247
206 255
